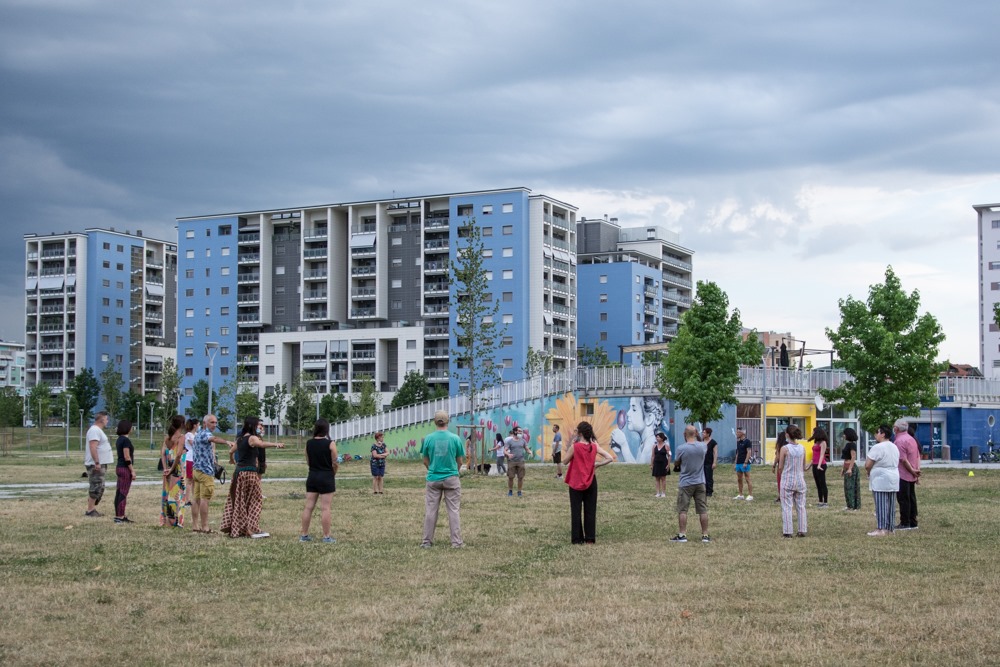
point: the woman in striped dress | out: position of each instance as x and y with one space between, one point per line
792 463
882 466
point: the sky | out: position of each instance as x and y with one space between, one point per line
797 148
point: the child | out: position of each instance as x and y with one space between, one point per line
378 464
498 449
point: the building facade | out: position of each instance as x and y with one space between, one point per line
362 290
96 298
12 364
988 218
634 285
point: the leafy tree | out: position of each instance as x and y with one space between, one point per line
477 335
592 356
413 390
86 391
170 386
39 403
335 408
536 362
701 370
752 350
890 352
301 410
274 402
369 400
11 407
112 383
652 357
198 406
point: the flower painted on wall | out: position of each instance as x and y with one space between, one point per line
568 412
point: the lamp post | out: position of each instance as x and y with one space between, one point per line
768 352
67 425
137 429
81 429
211 349
151 426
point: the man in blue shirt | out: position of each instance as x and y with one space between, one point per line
443 455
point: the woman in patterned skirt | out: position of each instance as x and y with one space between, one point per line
241 517
171 503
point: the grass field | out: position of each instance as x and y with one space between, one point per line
88 592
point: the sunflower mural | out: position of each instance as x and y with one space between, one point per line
567 413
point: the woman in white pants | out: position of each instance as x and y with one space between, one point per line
793 463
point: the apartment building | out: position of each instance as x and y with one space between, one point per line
988 221
12 363
634 285
98 297
362 289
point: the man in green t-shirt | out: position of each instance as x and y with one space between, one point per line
443 455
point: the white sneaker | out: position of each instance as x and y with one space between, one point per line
737 497
258 536
749 498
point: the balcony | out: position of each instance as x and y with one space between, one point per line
55 252
247 278
362 355
360 313
435 309
436 246
436 223
436 332
248 358
436 375
436 288
311 315
317 234
680 264
247 339
365 251
249 238
436 353
435 267
363 271
315 274
676 279
248 298
153 316
315 253
248 318
314 295
363 293
154 332
249 258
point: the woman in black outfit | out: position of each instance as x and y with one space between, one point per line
124 470
321 456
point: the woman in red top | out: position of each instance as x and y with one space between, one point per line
581 461
820 454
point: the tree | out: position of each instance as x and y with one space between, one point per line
592 356
111 389
11 407
653 357
335 408
86 391
274 402
301 410
536 363
198 406
413 390
752 350
477 335
39 403
369 399
170 386
701 369
890 352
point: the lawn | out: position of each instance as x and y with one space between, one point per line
89 592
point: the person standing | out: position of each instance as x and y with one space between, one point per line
909 475
744 450
378 456
96 458
779 442
124 470
498 448
204 471
689 460
321 457
851 472
711 460
581 461
557 449
442 455
820 456
241 515
659 463
882 466
171 505
190 428
515 449
792 463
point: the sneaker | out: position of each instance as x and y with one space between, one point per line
679 538
877 533
789 535
329 540
777 500
425 546
518 494
305 538
93 514
740 497
510 493
118 520
800 534
706 539
260 536
749 498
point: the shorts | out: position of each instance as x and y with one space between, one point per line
515 469
557 457
743 467
686 493
378 470
321 482
95 475
204 486
190 470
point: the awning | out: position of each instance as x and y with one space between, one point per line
154 358
70 281
154 290
561 255
30 283
314 347
314 363
547 318
546 252
51 282
363 240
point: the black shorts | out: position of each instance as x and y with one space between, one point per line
321 482
557 457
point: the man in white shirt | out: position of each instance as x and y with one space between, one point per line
97 455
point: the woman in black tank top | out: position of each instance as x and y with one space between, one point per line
321 456
241 517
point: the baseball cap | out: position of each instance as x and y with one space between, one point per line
441 418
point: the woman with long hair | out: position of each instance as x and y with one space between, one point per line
820 456
851 473
882 466
241 516
581 461
498 447
171 505
792 463
190 428
321 457
124 470
659 463
779 442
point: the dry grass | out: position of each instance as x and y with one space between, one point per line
98 593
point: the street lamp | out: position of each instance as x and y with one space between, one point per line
81 430
768 352
150 425
67 425
211 349
137 429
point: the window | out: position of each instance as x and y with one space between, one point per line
208 312
464 209
224 351
119 267
104 357
487 319
106 246
189 234
224 311
188 372
508 230
507 208
995 286
120 303
279 270
508 252
603 280
189 391
225 230
208 292
489 275
268 349
105 320
996 224
398 261
189 333
603 298
119 321
487 231
604 335
224 371
993 267
225 270
118 359
604 317
105 338
508 319
638 280
119 284
268 370
189 273
223 331
189 293
506 341
208 273
189 254
508 274
120 248
411 366
107 283
208 332
107 302
487 252
118 340
225 252
508 363
411 344
224 290
105 264
397 240
188 351
208 231
189 312
396 304
508 297
488 209
396 284
638 317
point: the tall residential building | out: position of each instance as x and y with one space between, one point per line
634 285
989 287
362 289
12 363
99 297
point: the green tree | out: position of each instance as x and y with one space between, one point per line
11 407
335 408
592 356
890 352
752 350
170 387
301 410
701 370
652 357
198 406
413 390
536 362
477 335
369 400
112 384
86 391
274 402
39 403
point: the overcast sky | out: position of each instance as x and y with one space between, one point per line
798 148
